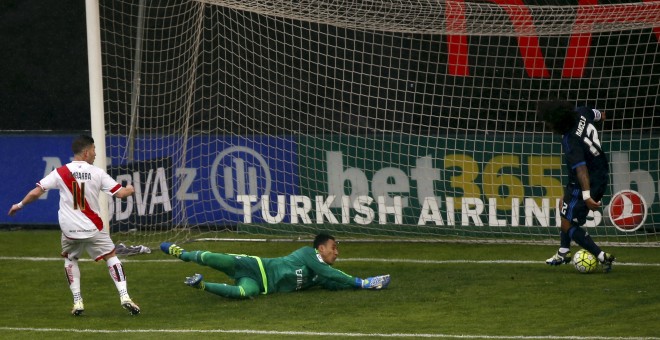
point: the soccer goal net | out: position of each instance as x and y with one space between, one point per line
375 119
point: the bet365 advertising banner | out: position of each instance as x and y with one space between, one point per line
471 181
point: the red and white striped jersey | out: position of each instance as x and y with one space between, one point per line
79 184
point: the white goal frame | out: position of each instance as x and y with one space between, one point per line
377 120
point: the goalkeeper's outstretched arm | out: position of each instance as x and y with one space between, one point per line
326 253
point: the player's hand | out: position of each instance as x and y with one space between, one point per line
14 209
376 282
592 205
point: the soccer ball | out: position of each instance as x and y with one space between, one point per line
584 261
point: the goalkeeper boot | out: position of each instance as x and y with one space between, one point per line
559 258
130 306
195 281
78 308
607 262
171 249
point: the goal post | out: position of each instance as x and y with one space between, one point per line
96 94
374 119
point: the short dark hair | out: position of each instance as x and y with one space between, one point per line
321 239
81 143
559 115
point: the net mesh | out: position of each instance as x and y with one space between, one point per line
395 119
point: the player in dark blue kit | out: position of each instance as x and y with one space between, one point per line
588 175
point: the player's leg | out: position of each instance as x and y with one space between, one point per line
223 262
170 248
573 217
581 237
72 271
102 247
245 287
564 242
116 270
598 188
70 251
563 255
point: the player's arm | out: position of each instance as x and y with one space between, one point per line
124 192
336 279
592 115
31 196
327 273
115 189
583 178
335 285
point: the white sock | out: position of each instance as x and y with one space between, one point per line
117 274
564 250
72 272
601 256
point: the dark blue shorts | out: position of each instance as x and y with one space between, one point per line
574 208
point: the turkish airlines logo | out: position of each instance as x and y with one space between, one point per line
627 210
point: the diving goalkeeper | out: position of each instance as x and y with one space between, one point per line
302 269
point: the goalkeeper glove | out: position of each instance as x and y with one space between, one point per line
376 282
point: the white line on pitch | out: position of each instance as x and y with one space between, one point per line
334 334
357 259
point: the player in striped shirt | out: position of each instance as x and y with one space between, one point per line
79 183
304 268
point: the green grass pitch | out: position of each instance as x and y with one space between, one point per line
439 290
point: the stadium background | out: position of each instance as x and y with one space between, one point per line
45 86
45 74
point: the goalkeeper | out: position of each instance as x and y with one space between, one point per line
302 269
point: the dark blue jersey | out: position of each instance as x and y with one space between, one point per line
581 146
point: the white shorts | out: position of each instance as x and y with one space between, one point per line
96 246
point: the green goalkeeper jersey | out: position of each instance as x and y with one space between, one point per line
300 270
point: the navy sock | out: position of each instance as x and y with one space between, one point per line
565 240
581 237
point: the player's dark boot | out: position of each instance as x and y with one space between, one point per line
607 264
559 258
195 281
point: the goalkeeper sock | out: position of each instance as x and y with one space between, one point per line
246 288
224 290
191 256
581 237
223 262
